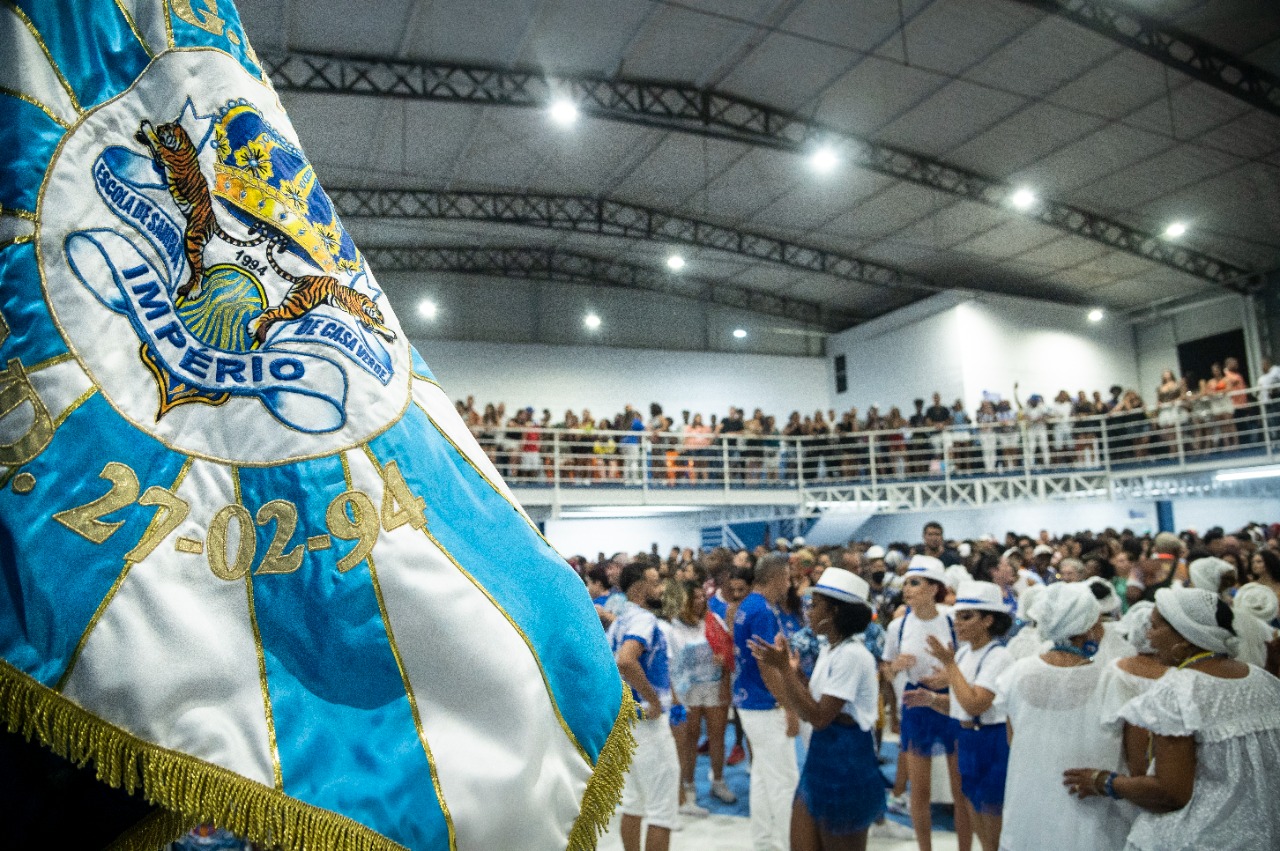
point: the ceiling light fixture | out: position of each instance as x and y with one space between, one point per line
675 262
1269 472
1175 230
427 309
592 321
1023 199
824 160
740 333
564 112
1096 314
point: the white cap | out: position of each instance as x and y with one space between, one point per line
965 550
1042 550
875 552
839 584
983 596
797 541
927 567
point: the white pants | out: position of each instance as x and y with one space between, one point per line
1038 436
652 788
774 776
631 472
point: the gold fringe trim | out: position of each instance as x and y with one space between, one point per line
604 790
154 832
195 791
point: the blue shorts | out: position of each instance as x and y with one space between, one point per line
926 732
984 763
841 785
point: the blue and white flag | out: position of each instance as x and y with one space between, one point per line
253 567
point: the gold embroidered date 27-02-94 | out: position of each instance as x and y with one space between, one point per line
350 516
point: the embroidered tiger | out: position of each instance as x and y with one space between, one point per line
171 149
309 292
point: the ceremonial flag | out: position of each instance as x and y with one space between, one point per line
253 567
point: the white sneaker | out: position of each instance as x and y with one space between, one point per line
721 792
689 808
890 829
899 804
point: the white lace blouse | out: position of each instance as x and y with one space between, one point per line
1236 724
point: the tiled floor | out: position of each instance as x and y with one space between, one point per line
726 829
730 833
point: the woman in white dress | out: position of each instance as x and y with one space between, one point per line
695 678
1055 703
1215 739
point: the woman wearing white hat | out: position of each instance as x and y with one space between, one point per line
1256 607
841 791
1215 725
1055 705
982 743
924 733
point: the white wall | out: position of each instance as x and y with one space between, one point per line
605 380
1044 347
964 344
591 537
905 355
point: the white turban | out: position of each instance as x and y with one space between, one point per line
1258 600
1064 610
1207 573
1193 614
1134 626
1109 603
1027 599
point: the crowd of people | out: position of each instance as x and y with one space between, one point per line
1092 691
1189 417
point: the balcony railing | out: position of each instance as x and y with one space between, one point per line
1192 434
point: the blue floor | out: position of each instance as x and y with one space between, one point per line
738 779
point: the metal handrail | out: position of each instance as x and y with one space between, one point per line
1171 436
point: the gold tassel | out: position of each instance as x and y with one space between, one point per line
604 790
190 790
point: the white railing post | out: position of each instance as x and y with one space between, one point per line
724 461
871 458
799 463
1177 436
555 460
645 449
1104 447
1265 419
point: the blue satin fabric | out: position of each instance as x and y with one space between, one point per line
92 44
339 703
32 334
420 367
483 532
187 35
56 578
28 138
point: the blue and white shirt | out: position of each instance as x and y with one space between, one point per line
756 617
636 623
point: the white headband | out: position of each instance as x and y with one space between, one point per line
1193 614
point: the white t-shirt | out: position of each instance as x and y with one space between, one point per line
848 671
981 669
907 634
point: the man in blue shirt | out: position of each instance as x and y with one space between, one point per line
769 730
639 646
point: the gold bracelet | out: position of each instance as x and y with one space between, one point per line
1099 781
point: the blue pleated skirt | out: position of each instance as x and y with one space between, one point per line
984 763
841 785
925 732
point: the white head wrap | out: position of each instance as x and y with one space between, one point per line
1109 604
1027 599
1064 610
955 575
1258 600
1134 626
1193 614
1207 573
